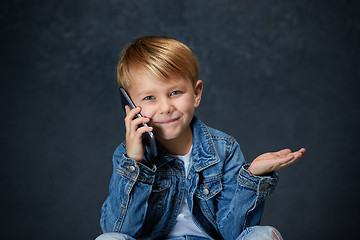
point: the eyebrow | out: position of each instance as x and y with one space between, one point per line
144 92
147 92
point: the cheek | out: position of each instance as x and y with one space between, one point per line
147 112
187 106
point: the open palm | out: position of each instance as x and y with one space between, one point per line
272 161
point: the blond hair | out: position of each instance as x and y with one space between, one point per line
162 57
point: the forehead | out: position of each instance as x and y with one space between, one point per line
142 80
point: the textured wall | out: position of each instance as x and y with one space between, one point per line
277 74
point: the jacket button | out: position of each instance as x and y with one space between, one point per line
206 191
132 169
266 186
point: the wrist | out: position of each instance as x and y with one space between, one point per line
253 171
134 158
250 170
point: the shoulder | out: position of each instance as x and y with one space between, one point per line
217 134
120 150
211 132
219 139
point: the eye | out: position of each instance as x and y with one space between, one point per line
175 93
149 98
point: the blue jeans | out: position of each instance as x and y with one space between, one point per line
250 233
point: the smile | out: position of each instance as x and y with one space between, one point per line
169 121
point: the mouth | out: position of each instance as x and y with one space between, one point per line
167 121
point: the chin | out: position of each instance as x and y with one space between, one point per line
167 135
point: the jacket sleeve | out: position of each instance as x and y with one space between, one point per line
241 203
130 186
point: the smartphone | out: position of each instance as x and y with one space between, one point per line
148 138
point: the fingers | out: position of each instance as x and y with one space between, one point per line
136 124
286 162
283 152
290 158
302 150
298 154
288 151
131 113
134 131
284 159
132 122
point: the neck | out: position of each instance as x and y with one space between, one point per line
180 145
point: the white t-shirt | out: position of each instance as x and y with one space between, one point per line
184 224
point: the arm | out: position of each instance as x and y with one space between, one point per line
241 202
130 187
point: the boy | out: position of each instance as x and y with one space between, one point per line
199 186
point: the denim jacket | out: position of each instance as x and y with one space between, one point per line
223 197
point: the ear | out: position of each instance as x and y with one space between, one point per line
198 92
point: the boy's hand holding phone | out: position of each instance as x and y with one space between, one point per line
139 137
134 146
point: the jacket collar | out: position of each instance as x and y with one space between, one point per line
204 151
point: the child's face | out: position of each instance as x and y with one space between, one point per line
169 104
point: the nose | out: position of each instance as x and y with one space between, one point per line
166 106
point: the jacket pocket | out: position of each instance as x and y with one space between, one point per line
208 188
159 194
161 183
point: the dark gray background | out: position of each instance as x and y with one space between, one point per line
277 74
